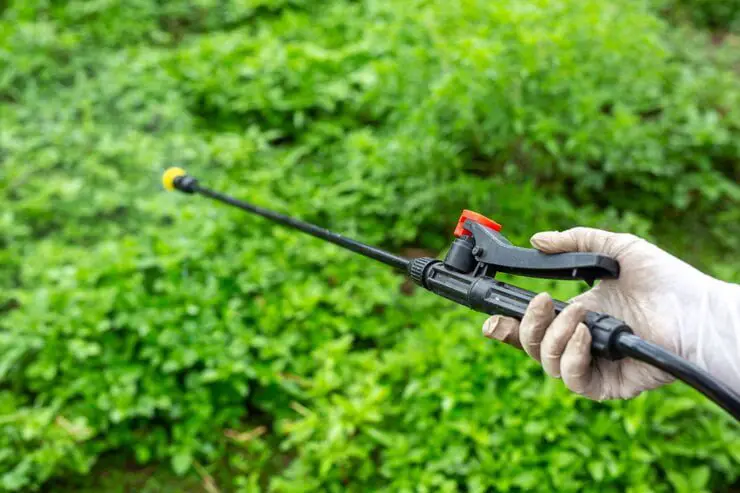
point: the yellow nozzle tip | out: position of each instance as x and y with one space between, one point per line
168 178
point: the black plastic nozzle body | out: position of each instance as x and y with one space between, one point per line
485 294
185 183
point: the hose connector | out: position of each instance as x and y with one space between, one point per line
605 331
417 268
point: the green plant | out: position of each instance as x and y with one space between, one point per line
707 14
143 324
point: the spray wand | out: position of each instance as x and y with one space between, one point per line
466 276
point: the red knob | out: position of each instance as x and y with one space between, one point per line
474 216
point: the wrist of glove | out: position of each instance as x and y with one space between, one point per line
663 299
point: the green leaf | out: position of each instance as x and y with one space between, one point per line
181 462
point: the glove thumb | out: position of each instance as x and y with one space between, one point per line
577 240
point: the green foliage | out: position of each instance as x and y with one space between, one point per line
149 325
708 14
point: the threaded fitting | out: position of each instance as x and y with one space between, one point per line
418 266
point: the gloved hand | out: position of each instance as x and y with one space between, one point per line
663 299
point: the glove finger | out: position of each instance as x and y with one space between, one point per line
538 317
578 239
557 336
504 329
578 373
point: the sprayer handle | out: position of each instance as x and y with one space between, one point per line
486 295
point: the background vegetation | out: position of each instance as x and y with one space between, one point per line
152 342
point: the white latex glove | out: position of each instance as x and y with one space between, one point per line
663 299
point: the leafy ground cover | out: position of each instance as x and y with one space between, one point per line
145 328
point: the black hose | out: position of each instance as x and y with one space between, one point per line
639 349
